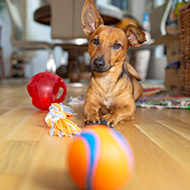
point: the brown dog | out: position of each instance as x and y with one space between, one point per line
113 86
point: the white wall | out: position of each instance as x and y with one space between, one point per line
137 8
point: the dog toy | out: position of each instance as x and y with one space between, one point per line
58 121
100 158
44 87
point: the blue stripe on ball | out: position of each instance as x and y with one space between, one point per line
94 149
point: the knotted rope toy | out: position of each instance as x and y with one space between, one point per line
58 121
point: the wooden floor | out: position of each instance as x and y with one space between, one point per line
30 159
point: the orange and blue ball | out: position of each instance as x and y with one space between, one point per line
100 159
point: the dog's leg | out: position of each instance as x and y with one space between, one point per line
91 113
138 89
125 113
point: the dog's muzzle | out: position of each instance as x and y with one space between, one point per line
99 65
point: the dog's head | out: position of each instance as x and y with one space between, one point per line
107 45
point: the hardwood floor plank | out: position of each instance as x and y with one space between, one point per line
11 119
10 182
170 142
30 128
178 126
153 165
183 115
49 162
16 156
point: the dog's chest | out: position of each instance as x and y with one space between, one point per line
107 102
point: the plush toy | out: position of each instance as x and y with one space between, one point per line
58 120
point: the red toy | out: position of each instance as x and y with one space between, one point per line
44 87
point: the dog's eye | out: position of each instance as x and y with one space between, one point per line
116 45
95 41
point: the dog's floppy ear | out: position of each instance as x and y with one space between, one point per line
90 18
132 71
135 36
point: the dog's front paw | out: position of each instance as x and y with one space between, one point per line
92 121
108 120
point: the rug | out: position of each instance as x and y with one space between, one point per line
152 98
161 98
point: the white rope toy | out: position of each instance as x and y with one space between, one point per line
57 120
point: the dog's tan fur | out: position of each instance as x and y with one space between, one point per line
113 86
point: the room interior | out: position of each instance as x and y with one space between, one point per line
46 36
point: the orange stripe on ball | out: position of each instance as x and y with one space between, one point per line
78 161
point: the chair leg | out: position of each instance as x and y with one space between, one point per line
51 66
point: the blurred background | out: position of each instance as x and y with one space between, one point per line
46 35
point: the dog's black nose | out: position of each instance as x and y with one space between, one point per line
99 62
